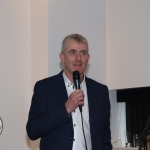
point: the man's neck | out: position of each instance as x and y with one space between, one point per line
69 76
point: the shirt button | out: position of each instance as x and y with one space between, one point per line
74 125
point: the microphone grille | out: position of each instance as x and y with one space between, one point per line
76 75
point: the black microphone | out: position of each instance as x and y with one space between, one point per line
76 79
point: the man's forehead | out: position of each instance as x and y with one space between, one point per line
72 43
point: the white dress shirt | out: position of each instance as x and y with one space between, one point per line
78 142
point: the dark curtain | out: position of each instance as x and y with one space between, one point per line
137 114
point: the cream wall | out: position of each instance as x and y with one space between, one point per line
38 50
128 44
14 72
38 40
23 61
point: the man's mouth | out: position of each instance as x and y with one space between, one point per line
77 64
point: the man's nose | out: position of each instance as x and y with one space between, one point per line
78 56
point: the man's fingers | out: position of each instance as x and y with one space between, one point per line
80 98
78 91
75 99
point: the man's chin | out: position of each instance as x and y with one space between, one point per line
81 70
78 70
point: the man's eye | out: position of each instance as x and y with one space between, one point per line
72 52
83 53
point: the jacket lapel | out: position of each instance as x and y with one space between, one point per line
90 95
92 105
60 87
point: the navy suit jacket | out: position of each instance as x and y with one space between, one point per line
49 120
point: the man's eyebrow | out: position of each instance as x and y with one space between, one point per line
80 50
83 50
72 50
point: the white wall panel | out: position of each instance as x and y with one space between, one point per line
117 121
86 18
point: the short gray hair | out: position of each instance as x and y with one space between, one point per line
76 37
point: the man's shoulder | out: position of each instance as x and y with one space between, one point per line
50 79
95 83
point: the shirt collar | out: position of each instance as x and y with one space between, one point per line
70 83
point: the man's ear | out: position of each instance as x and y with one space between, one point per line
61 55
88 57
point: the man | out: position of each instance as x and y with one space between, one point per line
54 114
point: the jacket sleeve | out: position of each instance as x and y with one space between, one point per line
106 134
41 120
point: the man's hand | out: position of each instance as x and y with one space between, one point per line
75 99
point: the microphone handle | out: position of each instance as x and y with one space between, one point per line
78 87
80 107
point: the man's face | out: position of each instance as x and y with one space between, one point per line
75 57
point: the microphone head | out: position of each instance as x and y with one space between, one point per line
76 79
76 75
